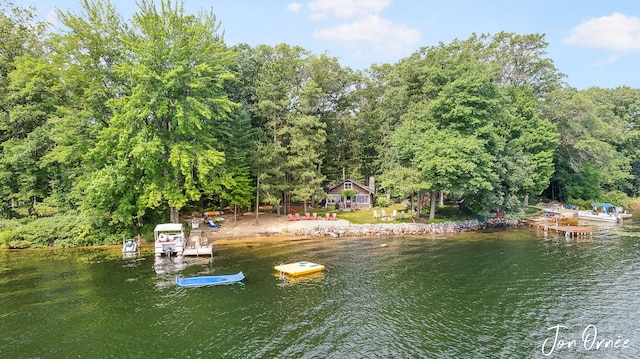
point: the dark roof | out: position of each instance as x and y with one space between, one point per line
352 181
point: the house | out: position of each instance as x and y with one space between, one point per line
363 198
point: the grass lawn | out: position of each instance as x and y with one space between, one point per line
446 213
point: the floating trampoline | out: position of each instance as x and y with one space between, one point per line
299 268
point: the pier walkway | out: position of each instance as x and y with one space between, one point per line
568 231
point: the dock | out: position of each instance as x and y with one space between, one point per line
568 231
197 245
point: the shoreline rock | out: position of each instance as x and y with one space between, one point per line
371 230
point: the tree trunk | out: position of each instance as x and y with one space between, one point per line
441 199
419 207
257 197
174 215
432 210
526 200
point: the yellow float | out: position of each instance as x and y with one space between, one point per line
299 268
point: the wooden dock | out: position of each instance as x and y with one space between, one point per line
568 231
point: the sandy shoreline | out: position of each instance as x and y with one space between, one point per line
269 227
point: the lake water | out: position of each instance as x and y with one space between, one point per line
512 293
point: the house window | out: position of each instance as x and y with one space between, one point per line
335 198
362 198
348 185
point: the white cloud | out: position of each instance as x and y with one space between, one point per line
610 60
294 7
382 34
616 32
345 9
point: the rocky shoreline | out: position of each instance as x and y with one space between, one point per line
403 229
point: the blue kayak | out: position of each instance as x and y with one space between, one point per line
202 281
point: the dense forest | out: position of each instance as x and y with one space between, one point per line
108 125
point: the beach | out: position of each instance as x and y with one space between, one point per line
269 226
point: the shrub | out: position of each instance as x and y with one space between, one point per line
383 201
5 238
20 244
617 198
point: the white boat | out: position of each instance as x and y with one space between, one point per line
604 212
169 239
129 246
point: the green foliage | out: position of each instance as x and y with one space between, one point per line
381 200
453 138
69 230
6 237
348 193
617 198
587 160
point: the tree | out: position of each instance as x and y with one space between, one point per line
531 143
522 60
276 96
587 159
451 131
238 146
34 92
293 94
26 102
161 148
20 34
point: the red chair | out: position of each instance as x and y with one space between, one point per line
315 216
335 216
290 217
327 216
307 216
297 216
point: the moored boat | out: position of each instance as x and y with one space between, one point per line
129 246
203 281
169 239
604 212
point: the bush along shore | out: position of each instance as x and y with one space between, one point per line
403 229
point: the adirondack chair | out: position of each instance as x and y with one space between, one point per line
297 216
291 217
307 216
327 216
314 216
375 214
335 216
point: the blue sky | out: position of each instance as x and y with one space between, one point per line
594 42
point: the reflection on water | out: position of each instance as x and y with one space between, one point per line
285 280
482 295
168 265
167 268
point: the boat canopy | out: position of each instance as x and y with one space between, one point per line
168 227
608 207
